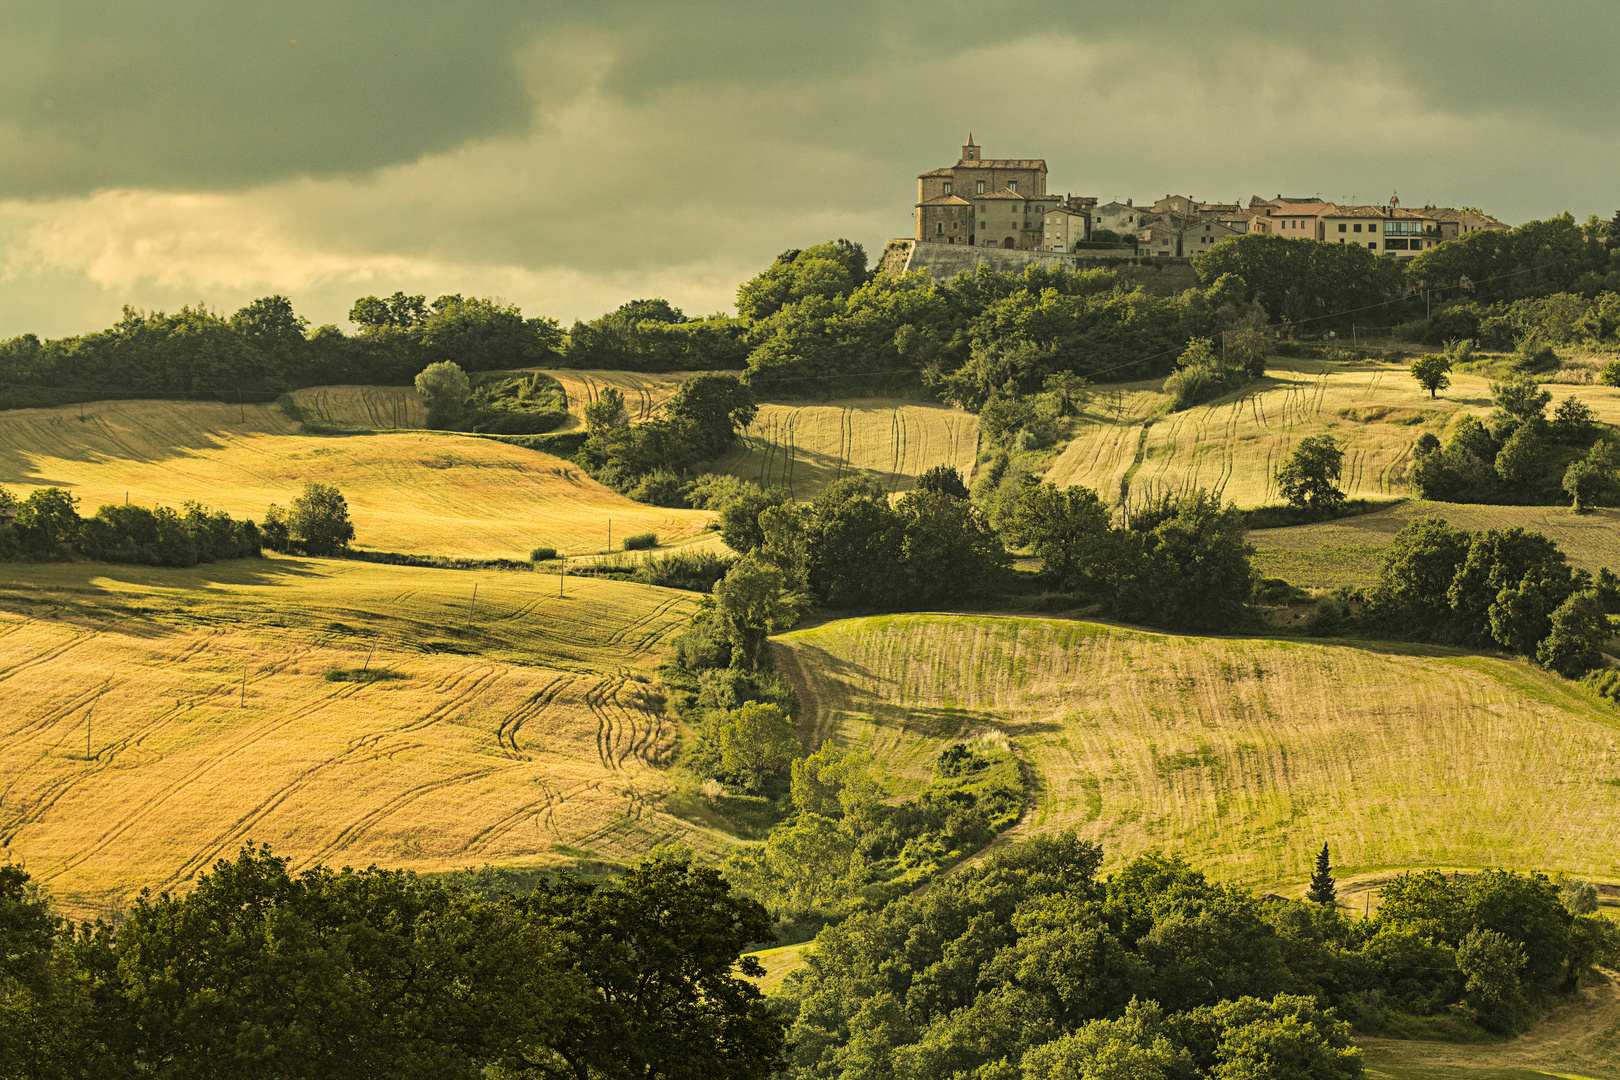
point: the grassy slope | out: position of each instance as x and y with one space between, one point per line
1350 551
535 736
387 407
644 393
806 447
1234 445
1245 754
425 492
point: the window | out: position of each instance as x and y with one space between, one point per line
1012 185
1358 226
1341 226
1373 244
939 228
947 187
981 188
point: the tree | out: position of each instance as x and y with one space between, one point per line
1574 423
276 529
444 388
943 480
606 413
1574 645
1591 481
753 601
1491 963
1433 372
1308 478
319 520
47 522
1519 397
660 951
834 783
948 551
757 742
1323 888
1068 387
714 406
739 517
1069 531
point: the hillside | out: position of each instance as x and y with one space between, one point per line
644 393
523 728
806 447
425 492
1351 550
1233 446
1245 754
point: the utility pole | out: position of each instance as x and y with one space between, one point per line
471 605
368 658
87 715
243 703
610 536
561 576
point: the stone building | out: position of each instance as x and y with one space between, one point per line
1066 227
996 202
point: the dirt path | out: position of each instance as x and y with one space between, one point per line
1581 1038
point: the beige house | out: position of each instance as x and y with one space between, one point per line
1205 235
1297 220
1000 219
1159 240
1176 204
973 177
1065 227
1389 230
1454 223
1121 217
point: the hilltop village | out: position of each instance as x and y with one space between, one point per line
1004 203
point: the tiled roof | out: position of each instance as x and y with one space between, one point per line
1004 163
1076 211
934 172
945 200
1005 193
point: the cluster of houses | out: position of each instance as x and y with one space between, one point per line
1003 203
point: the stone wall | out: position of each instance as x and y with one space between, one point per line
1159 276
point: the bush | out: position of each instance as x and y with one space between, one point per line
319 520
641 541
1611 374
1532 359
542 554
659 488
1604 683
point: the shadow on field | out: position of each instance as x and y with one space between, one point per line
145 432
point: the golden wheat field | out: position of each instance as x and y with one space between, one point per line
803 448
155 719
432 493
1350 551
362 406
1246 754
1127 445
644 393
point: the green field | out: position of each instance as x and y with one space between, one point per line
1246 754
1351 550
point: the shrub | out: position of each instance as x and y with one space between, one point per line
641 541
659 488
444 388
1328 618
542 554
1604 683
1532 359
1611 374
319 520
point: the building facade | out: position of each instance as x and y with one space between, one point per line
985 202
1065 227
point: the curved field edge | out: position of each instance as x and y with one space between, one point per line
1245 754
425 493
153 720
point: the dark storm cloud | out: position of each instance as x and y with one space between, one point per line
215 94
187 94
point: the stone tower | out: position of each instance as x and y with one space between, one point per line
970 152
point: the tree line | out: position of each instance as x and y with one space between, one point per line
266 348
1033 965
47 526
260 972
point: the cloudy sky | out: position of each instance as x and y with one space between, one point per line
569 156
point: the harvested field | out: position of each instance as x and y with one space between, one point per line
1245 754
803 448
432 493
644 394
1129 445
1351 550
529 733
385 407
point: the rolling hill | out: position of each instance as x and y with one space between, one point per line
1127 443
157 719
1245 754
427 492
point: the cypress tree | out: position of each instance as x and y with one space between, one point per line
1323 889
